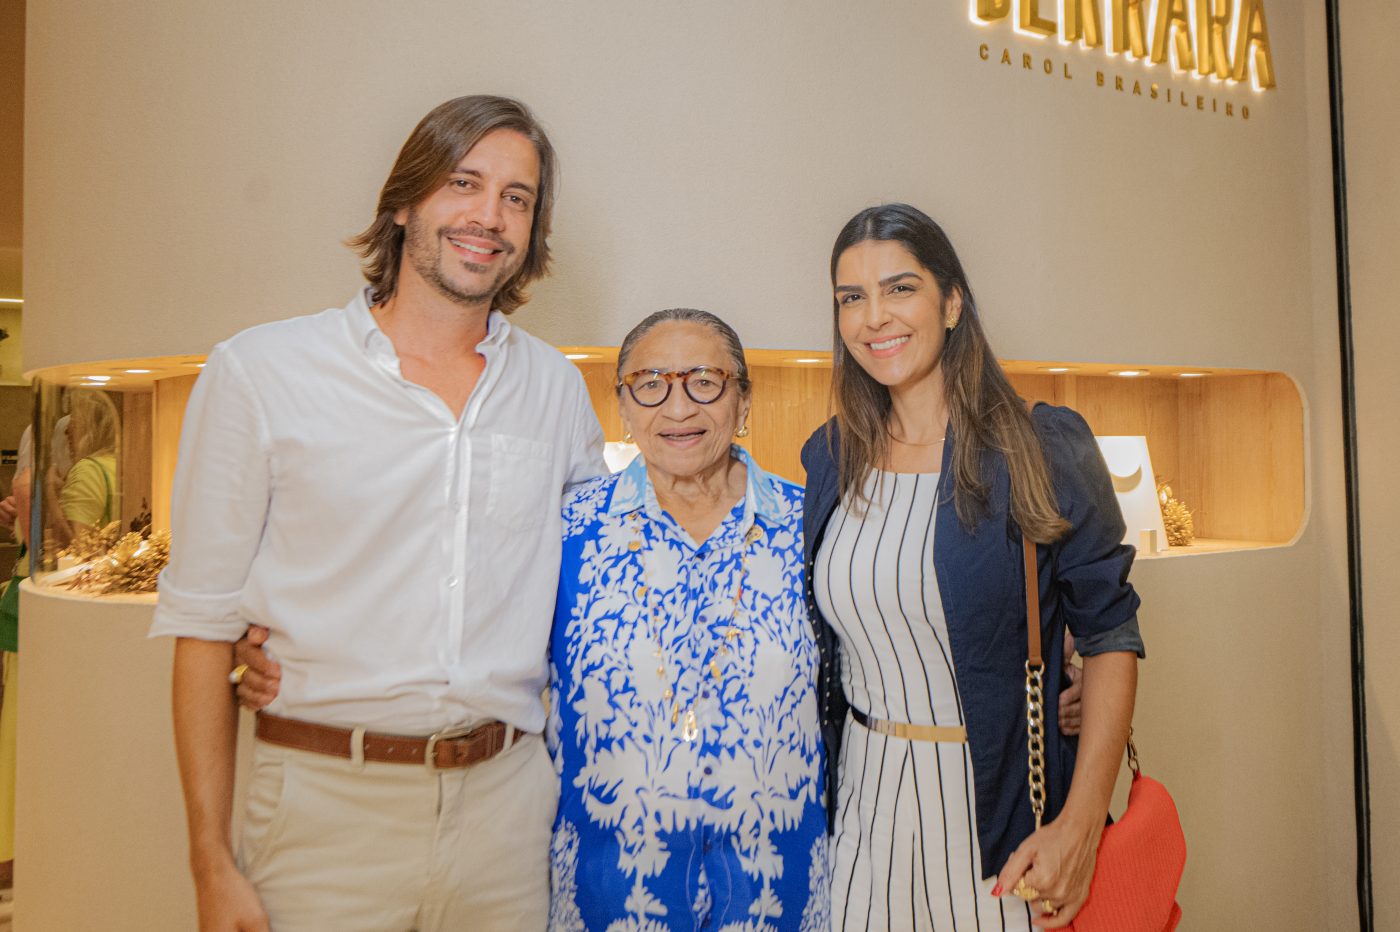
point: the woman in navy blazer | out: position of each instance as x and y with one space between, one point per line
932 462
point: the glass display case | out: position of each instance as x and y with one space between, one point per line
104 438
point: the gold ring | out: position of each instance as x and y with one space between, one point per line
1024 892
235 675
1049 908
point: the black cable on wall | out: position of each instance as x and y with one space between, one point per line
1361 759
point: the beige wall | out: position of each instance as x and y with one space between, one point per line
1369 28
11 129
711 151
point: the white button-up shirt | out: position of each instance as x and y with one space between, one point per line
405 560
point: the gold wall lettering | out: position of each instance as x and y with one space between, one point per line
1032 21
1213 37
1203 46
1173 20
1128 28
1253 42
1081 22
1147 90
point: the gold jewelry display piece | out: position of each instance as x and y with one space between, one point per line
690 725
235 675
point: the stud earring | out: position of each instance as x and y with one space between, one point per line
742 431
627 437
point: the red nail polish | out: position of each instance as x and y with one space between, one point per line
996 891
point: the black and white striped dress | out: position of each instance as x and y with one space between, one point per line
905 854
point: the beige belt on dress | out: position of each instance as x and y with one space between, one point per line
948 734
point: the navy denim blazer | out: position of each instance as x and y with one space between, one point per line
981 577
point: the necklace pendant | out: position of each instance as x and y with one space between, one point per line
691 730
714 669
675 713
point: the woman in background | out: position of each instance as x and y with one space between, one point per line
87 491
918 492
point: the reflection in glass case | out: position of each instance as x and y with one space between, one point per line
97 446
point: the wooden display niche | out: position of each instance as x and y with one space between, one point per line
1228 441
150 395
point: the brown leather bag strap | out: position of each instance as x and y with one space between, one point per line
1032 604
1032 591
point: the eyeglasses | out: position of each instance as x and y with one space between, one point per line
651 387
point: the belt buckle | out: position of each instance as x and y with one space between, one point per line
446 734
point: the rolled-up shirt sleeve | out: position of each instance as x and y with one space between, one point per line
1091 562
586 456
219 505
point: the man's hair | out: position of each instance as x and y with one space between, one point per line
432 150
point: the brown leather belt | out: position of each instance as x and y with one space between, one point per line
449 748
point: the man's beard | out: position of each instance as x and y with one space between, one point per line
425 250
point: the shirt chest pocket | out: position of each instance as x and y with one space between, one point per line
522 491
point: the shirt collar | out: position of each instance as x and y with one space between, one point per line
365 329
633 490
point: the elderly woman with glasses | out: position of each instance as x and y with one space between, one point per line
683 715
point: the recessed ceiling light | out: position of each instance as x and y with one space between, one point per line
1130 373
807 360
577 355
11 300
1057 368
136 371
1192 375
197 365
98 378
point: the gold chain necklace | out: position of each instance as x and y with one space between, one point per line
690 726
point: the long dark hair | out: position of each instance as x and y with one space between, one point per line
983 409
432 150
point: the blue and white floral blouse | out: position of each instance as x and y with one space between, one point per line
725 831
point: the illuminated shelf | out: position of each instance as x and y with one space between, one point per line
1228 440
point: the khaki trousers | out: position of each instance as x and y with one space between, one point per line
338 844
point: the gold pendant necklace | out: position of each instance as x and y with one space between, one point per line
689 722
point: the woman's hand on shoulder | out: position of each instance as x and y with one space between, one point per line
1057 864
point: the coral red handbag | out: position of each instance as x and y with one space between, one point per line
1142 855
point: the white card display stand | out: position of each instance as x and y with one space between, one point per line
1133 482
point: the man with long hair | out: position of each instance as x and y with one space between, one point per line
378 485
